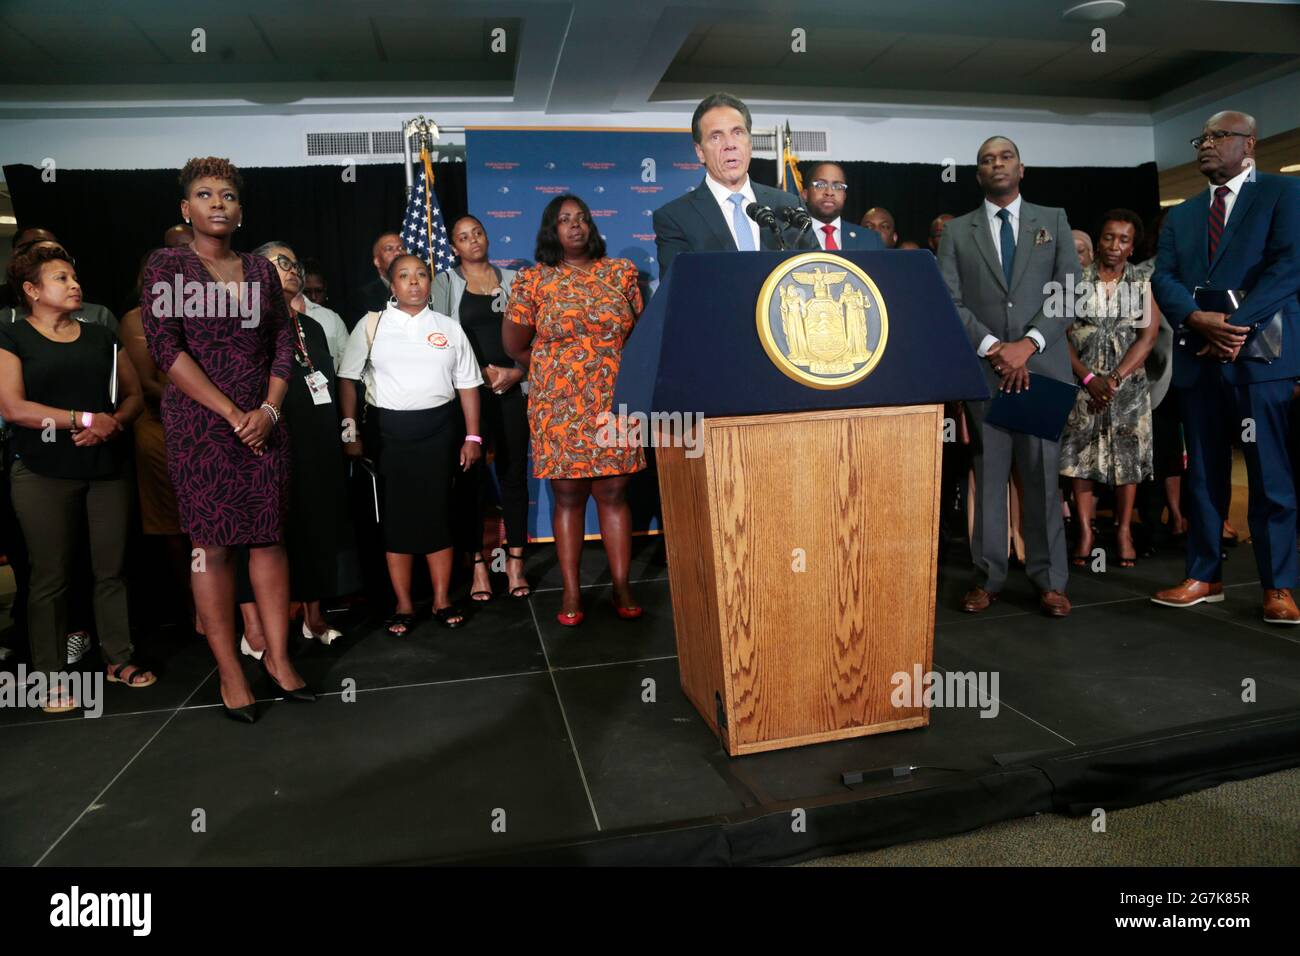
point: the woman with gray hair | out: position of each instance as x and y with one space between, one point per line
318 532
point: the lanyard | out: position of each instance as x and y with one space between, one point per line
300 349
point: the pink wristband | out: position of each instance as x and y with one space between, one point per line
87 419
474 438
1089 377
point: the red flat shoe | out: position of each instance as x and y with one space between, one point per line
570 620
628 613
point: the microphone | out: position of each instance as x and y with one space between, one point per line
796 217
763 215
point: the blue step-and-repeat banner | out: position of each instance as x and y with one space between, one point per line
623 175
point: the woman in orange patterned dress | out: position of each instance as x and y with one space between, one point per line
566 323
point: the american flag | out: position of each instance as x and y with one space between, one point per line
433 247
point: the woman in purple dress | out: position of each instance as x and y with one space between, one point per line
216 324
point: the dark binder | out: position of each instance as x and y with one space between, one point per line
1263 342
1040 410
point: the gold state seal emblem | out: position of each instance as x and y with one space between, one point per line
822 320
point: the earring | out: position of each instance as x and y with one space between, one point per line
392 301
187 221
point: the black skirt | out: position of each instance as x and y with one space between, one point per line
416 462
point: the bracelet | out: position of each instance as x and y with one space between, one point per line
474 438
72 419
87 419
273 412
1089 377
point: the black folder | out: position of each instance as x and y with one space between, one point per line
1041 409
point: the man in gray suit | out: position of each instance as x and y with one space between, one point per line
998 262
712 218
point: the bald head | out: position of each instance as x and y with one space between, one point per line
1234 120
386 248
882 220
1226 145
1082 245
936 230
178 235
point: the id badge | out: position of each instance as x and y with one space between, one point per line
319 387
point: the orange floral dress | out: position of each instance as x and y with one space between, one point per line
581 319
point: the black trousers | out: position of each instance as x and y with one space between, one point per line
503 425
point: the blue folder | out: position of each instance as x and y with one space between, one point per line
1041 410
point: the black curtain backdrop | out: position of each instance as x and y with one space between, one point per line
915 193
108 219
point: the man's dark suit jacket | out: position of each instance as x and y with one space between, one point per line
859 238
1259 253
694 223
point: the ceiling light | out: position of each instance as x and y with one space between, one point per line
8 221
1094 10
1166 203
1293 168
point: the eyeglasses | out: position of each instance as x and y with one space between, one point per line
823 184
287 264
1217 136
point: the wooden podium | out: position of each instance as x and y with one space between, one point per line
801 520
802 554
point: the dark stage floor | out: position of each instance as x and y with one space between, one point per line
514 738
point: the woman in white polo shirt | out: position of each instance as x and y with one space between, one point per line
414 363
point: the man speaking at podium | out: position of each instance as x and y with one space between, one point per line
715 217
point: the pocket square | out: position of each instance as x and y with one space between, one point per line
1043 237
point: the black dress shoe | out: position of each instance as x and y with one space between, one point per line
300 695
241 715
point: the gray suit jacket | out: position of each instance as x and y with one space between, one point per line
970 266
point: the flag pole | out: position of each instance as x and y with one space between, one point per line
428 202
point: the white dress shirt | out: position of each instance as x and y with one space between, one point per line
819 227
723 197
418 360
1234 185
336 333
991 211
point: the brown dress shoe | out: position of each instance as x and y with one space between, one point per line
1190 592
1054 603
1279 608
977 599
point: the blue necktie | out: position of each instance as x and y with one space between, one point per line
744 236
1007 241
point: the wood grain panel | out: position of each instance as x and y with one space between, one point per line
691 578
810 653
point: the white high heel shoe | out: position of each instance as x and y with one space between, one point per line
328 638
246 648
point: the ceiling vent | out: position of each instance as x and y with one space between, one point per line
803 141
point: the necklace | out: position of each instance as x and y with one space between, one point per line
481 288
212 265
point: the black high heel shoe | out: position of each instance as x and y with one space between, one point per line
299 695
241 715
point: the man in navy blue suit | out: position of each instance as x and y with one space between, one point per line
711 217
824 193
1243 233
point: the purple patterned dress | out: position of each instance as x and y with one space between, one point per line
226 494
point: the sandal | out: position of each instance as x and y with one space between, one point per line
59 702
444 616
519 590
115 675
404 621
474 595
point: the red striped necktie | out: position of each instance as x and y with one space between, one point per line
1217 211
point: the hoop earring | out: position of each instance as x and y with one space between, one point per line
392 301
